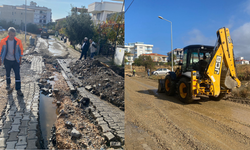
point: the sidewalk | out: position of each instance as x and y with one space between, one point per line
19 121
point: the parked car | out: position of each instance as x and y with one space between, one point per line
2 29
161 71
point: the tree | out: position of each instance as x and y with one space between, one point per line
6 24
32 28
78 26
51 25
145 61
60 24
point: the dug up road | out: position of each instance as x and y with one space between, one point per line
156 121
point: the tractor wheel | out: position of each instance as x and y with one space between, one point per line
184 92
169 86
217 98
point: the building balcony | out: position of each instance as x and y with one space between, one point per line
148 49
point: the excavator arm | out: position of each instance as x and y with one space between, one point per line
223 52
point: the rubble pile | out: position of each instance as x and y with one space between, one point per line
75 130
100 80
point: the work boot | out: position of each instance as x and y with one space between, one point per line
8 87
19 93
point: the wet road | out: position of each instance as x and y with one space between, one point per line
51 47
156 121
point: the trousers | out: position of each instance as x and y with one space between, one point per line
9 64
84 52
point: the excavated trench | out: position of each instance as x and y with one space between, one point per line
58 107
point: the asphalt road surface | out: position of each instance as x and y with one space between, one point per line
156 121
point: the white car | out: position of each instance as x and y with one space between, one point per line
161 71
2 29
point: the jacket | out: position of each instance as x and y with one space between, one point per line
92 47
18 48
85 46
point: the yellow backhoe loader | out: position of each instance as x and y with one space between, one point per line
205 71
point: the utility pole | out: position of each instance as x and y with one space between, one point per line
25 18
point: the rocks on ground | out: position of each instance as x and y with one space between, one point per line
100 80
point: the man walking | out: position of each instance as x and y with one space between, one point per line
92 48
85 48
11 52
148 72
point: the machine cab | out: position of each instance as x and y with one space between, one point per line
196 57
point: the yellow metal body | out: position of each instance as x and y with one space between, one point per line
193 83
224 52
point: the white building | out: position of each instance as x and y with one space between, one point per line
42 15
100 10
241 60
178 52
137 49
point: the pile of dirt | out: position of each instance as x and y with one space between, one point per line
100 80
74 130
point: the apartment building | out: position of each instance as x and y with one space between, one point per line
178 52
100 10
130 58
157 57
16 14
42 15
137 49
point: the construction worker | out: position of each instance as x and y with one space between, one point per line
148 72
11 50
134 72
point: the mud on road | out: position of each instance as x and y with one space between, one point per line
156 121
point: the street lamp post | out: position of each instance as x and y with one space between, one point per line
25 18
172 53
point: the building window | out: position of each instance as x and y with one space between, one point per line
44 21
40 21
140 47
41 11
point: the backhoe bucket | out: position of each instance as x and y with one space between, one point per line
161 87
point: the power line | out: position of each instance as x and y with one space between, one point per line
129 6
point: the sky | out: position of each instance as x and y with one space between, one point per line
59 8
193 22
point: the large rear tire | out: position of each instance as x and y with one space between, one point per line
184 92
217 98
169 86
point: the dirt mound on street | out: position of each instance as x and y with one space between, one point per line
100 80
